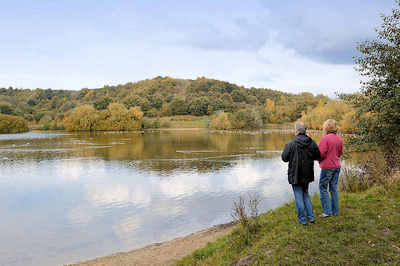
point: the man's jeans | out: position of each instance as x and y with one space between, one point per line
329 179
303 203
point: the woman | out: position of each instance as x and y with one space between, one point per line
331 148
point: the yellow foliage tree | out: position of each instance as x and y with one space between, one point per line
334 109
116 117
81 118
221 122
12 124
270 110
347 122
269 105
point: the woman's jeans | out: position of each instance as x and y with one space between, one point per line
303 203
329 180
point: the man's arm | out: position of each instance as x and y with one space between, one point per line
286 153
316 152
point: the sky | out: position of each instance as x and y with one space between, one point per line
291 46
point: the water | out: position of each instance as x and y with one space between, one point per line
69 197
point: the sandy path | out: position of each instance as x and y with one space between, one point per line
165 253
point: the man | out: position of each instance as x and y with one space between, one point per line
301 153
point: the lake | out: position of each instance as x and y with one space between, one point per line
69 197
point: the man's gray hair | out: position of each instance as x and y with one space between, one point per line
300 127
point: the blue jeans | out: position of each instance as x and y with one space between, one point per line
303 203
329 180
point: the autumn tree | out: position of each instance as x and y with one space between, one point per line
333 109
222 122
82 118
12 124
270 110
6 108
379 63
102 103
248 118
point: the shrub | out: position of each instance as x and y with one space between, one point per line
165 124
247 215
156 124
146 123
249 118
222 121
368 173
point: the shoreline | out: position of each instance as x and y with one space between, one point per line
163 253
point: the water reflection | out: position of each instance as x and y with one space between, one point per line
67 198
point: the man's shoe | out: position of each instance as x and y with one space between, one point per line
324 215
313 221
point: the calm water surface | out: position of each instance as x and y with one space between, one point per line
72 197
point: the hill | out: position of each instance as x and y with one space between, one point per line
160 96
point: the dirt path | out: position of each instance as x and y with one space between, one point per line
165 253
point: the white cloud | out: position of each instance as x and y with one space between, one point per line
80 215
119 194
241 177
126 229
183 185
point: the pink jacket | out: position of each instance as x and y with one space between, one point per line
331 148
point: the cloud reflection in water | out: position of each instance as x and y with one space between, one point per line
78 204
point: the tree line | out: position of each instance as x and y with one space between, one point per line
160 97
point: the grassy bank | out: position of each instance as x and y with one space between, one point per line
366 232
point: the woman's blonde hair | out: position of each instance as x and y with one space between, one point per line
329 126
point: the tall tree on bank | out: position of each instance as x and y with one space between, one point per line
379 100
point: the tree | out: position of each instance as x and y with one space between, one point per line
379 62
102 103
222 122
82 118
12 124
333 109
198 106
178 106
6 108
270 111
248 118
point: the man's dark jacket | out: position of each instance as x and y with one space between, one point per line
301 153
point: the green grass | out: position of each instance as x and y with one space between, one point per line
189 124
366 232
183 121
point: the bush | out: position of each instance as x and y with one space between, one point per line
156 124
249 118
146 123
151 123
247 215
222 121
165 124
370 172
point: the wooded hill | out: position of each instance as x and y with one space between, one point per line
161 96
